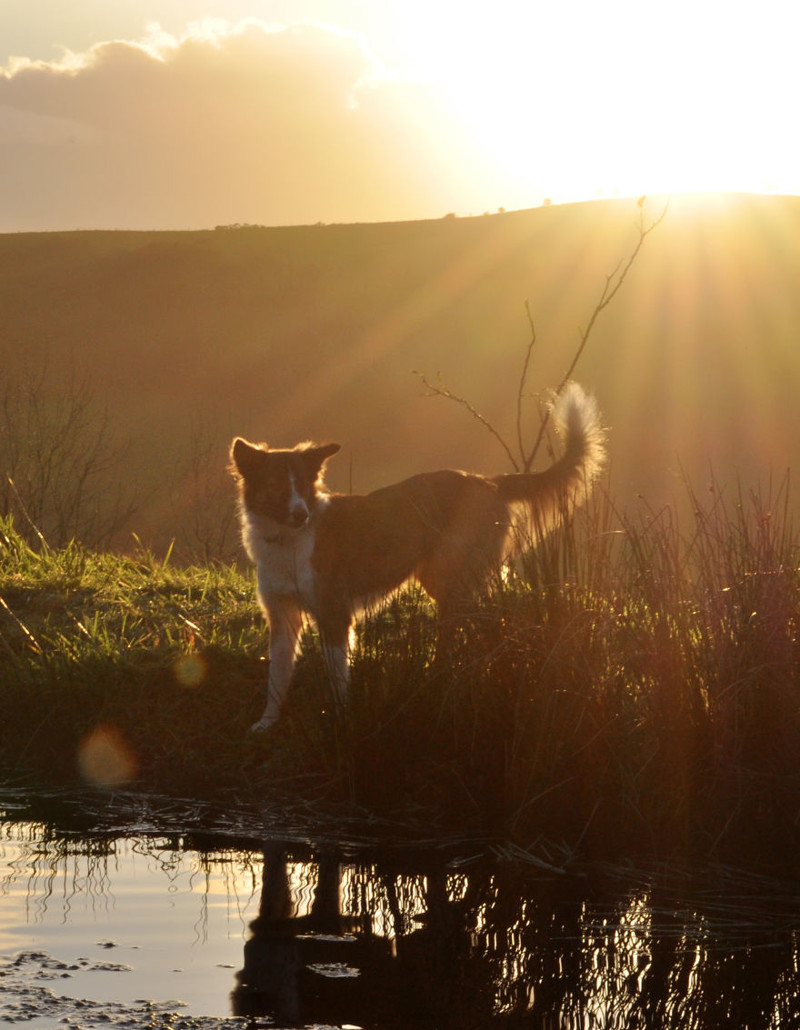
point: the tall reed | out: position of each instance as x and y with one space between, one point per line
631 682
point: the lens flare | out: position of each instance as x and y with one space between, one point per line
190 670
105 758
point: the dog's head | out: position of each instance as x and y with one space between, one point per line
281 485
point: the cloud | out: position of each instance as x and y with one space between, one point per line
241 123
20 127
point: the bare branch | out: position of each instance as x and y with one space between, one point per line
523 379
612 287
442 391
613 284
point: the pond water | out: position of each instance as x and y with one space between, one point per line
184 917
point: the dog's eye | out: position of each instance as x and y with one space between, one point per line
267 495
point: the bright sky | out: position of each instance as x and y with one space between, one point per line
192 113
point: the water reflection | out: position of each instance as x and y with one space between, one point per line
343 943
484 946
423 938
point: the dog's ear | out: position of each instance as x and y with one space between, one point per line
244 456
317 454
327 450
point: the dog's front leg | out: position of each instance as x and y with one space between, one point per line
285 623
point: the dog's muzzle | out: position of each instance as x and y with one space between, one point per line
298 516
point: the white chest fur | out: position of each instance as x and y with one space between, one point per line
283 561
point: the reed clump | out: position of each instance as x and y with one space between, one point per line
630 685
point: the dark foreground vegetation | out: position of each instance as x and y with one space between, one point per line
631 687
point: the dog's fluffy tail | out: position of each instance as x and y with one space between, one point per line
548 495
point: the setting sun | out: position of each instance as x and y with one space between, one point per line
581 101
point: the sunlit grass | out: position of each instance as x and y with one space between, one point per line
631 685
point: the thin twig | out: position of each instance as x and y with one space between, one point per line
613 284
523 380
612 287
442 391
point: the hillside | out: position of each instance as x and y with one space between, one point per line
283 334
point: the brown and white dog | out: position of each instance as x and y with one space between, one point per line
329 555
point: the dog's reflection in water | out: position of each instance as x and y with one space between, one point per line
307 963
285 950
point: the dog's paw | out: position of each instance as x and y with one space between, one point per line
261 727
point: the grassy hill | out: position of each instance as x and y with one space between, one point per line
175 341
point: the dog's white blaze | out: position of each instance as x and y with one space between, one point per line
296 502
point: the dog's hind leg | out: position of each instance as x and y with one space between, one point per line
285 623
457 573
338 669
335 623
